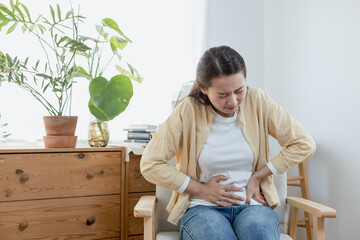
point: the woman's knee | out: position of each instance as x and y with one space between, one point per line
205 223
257 222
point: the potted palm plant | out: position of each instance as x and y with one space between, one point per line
51 78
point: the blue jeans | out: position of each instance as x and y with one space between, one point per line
236 222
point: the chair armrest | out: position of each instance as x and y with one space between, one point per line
145 207
315 209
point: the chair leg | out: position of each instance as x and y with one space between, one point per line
293 222
318 228
149 227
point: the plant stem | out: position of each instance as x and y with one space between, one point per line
102 132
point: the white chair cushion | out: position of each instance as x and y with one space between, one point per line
283 237
168 236
175 236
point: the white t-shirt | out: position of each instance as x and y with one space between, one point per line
226 152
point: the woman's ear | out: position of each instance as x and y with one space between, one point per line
204 91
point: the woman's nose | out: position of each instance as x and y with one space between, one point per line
233 100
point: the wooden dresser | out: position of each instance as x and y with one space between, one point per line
75 193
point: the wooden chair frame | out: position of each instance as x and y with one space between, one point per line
145 208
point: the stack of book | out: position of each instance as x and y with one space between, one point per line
140 133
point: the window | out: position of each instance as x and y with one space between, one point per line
167 42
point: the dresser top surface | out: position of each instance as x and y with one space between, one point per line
37 149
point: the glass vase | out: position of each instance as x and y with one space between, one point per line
98 133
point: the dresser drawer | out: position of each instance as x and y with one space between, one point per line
67 218
137 182
52 175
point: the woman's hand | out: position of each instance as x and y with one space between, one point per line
253 187
253 191
214 192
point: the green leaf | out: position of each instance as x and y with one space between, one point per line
135 77
31 28
96 112
24 28
112 24
12 28
41 28
6 10
69 13
84 38
113 48
111 97
26 10
26 61
20 13
46 86
62 40
80 72
52 13
43 75
118 42
9 60
3 23
3 17
58 12
37 64
12 5
101 31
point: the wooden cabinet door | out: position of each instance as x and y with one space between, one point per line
136 182
62 174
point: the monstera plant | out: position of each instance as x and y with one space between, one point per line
108 98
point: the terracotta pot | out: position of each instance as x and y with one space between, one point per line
60 141
60 125
60 131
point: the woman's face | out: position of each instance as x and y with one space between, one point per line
226 93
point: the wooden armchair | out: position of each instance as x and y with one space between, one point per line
152 209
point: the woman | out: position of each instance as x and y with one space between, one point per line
222 184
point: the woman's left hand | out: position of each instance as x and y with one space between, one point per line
253 190
253 187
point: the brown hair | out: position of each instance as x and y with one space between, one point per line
215 62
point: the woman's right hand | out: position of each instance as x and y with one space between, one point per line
220 194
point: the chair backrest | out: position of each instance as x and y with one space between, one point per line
163 195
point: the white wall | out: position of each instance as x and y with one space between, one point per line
305 54
312 53
240 25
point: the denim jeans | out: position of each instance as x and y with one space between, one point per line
236 222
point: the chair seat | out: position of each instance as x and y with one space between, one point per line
285 237
175 236
168 236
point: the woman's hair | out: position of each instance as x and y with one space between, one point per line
215 62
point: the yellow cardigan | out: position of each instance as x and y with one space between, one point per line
185 132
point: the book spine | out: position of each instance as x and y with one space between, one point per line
139 135
136 141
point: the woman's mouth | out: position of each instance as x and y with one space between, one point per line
231 108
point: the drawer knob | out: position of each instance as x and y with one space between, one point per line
90 174
81 155
24 178
23 225
90 220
